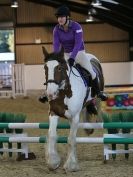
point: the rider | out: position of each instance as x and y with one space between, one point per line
69 35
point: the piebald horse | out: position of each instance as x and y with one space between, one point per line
67 95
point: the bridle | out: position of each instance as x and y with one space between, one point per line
59 83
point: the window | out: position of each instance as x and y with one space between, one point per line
7 46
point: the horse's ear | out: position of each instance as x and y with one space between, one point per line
62 52
44 51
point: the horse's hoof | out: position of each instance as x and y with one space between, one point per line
71 167
54 163
53 166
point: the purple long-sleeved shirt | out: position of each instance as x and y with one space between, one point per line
71 40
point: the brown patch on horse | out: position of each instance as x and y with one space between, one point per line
67 90
58 106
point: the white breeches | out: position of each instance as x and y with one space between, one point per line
84 60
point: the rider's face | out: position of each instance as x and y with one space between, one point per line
61 20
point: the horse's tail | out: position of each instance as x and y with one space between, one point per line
92 113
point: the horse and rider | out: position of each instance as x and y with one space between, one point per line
66 89
69 35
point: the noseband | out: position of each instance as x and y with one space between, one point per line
55 82
51 81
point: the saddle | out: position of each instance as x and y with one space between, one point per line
86 76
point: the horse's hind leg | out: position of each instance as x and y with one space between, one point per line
52 156
72 162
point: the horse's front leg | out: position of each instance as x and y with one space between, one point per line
52 157
72 162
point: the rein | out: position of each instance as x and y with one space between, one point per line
77 75
73 72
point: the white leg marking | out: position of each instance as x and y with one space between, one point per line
52 156
72 162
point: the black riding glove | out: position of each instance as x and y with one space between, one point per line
71 62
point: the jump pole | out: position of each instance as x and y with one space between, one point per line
43 139
67 126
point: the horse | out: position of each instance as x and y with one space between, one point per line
67 96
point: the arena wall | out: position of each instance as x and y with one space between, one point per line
114 74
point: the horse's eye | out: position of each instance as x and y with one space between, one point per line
59 68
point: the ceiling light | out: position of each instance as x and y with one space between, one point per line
96 3
111 1
14 4
90 17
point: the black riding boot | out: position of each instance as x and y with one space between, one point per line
99 93
43 99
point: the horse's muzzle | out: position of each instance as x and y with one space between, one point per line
52 96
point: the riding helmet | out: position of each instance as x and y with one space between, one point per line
62 11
